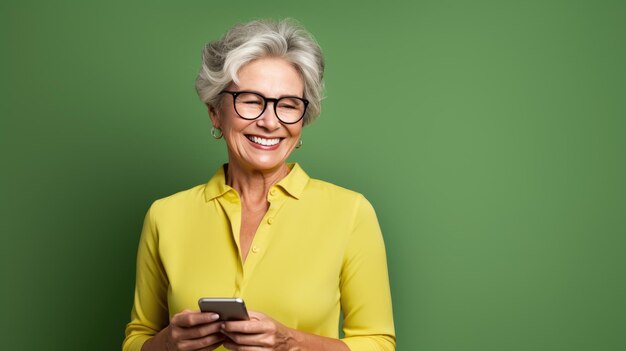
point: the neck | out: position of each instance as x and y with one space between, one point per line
253 185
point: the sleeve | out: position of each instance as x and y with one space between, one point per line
150 312
365 294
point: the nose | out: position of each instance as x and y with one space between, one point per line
268 118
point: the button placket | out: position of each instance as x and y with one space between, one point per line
231 206
263 236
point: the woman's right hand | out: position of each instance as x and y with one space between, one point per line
188 330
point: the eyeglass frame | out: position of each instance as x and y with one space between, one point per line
265 101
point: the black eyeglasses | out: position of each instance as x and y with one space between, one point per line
250 105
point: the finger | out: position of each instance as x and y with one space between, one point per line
233 346
254 315
247 327
188 319
248 339
209 342
198 331
249 333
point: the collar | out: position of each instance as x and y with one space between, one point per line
293 184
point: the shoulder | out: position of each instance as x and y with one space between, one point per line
321 187
180 201
336 196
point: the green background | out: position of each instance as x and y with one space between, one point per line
489 136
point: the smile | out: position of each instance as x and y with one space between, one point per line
263 141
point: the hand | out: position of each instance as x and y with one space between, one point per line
259 333
193 330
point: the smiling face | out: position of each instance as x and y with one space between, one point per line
263 144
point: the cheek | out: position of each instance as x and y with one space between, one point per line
295 130
231 125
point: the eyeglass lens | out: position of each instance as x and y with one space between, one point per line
251 106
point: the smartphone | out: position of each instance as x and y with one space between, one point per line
229 309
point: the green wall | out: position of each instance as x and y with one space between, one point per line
489 135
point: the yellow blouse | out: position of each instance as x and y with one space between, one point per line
317 251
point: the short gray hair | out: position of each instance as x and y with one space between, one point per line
243 43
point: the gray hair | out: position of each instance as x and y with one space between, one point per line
243 43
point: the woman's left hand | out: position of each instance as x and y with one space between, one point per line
259 333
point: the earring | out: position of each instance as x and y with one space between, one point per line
214 132
299 144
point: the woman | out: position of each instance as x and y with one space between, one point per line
296 249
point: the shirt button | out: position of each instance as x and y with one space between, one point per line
270 220
273 192
255 249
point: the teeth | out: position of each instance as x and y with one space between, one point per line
263 141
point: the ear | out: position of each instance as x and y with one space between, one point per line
214 115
